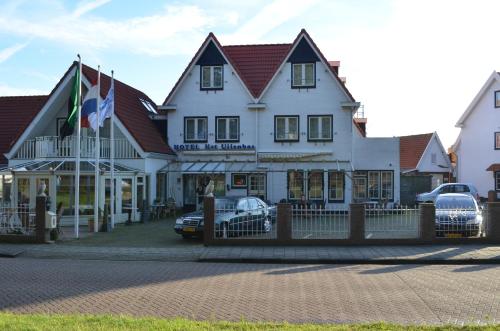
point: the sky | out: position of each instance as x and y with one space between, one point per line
414 65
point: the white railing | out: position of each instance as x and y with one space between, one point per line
17 220
319 223
391 223
55 147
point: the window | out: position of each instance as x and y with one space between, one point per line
497 181
386 185
335 186
238 180
195 129
295 184
315 185
373 185
286 128
497 99
497 140
433 158
211 77
303 75
227 128
242 205
126 195
359 188
319 128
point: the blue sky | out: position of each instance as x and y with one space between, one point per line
415 65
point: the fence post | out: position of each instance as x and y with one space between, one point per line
357 222
208 219
284 221
493 225
40 219
427 214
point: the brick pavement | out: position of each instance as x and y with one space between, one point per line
258 292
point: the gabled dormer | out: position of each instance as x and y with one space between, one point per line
303 65
211 64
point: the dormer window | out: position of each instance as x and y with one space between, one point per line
303 75
211 77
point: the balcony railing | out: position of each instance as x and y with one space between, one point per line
54 147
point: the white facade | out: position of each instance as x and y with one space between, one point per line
475 145
306 163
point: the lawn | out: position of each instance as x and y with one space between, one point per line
85 322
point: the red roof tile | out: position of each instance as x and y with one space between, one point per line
16 113
411 149
256 64
132 113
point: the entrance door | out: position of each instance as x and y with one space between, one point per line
189 192
257 185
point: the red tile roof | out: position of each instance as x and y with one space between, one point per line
411 149
16 113
132 113
256 64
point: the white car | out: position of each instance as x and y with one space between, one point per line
448 188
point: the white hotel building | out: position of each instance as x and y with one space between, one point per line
275 121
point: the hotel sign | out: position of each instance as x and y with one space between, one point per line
213 147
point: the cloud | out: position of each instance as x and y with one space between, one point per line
175 30
8 52
267 19
86 7
6 90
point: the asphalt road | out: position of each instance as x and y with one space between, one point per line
294 293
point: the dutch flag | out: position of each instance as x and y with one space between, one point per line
89 105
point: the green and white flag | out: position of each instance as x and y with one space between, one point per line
73 102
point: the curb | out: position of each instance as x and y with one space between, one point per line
352 261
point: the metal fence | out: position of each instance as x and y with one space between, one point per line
458 221
17 221
250 224
393 223
319 223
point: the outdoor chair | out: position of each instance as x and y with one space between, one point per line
170 206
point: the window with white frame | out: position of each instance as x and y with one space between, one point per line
211 77
227 128
497 99
497 140
373 185
386 184
286 128
335 186
295 184
315 185
497 180
433 158
303 75
319 127
359 184
195 129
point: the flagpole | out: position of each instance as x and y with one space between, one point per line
97 155
77 151
112 141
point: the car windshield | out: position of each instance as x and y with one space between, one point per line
463 203
224 204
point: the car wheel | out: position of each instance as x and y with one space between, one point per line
267 224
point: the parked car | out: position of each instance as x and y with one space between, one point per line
448 188
458 215
233 216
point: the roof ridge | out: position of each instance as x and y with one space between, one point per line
270 44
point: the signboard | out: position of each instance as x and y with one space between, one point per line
213 147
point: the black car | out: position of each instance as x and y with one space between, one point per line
234 216
458 215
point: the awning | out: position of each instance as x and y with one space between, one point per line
494 167
283 157
68 166
211 167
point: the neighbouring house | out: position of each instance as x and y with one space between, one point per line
424 165
33 152
477 147
274 121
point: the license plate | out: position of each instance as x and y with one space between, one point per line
453 235
189 229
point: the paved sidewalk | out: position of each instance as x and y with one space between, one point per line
266 254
